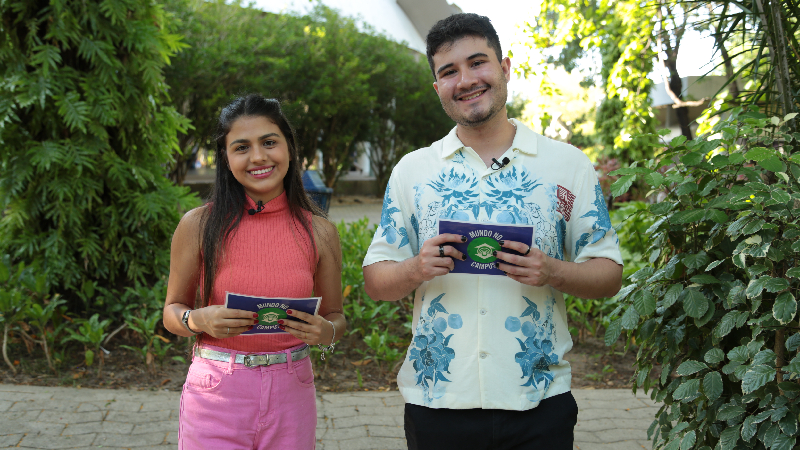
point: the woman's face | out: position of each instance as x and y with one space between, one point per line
258 156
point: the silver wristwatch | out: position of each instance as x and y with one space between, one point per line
185 321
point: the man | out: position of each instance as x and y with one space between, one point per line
485 368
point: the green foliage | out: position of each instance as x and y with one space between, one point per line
715 307
620 33
87 133
382 325
155 346
91 333
339 80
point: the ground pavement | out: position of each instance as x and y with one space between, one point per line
71 418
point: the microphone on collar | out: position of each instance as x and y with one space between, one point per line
500 165
252 211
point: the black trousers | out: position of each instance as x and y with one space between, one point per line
549 426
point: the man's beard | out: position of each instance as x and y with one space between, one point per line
498 92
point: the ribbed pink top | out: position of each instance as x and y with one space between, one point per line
270 255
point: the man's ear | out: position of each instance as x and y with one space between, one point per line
505 64
436 88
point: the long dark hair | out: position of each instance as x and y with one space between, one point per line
228 196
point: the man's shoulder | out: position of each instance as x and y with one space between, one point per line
421 158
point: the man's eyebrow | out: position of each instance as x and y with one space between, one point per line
476 55
245 141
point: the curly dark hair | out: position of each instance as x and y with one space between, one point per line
448 30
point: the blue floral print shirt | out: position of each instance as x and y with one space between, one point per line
484 341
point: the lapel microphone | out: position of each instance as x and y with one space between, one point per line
500 165
252 211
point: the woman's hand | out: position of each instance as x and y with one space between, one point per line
316 330
221 322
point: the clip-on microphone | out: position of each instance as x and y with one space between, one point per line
500 165
252 211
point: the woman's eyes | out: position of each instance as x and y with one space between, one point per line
267 143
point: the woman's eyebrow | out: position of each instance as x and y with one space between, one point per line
245 141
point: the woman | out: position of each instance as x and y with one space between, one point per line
259 236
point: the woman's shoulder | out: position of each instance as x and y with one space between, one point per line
192 220
324 228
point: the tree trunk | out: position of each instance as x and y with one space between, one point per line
676 86
5 352
777 51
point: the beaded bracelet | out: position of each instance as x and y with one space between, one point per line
328 348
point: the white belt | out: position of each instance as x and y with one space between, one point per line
252 360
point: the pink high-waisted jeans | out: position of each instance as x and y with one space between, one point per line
226 406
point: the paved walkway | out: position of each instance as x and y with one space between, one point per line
56 418
353 212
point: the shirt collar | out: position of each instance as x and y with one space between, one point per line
525 140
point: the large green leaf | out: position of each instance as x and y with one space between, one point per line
783 442
645 302
704 279
756 377
785 308
696 261
714 356
725 325
794 272
688 390
773 164
613 331
688 441
712 385
759 153
692 215
729 437
672 294
630 319
694 303
749 428
622 185
690 367
730 412
775 284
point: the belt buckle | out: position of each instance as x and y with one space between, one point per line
248 361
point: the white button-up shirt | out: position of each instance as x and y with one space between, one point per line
485 341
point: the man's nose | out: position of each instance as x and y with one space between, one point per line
467 80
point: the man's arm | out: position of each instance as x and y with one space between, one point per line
393 280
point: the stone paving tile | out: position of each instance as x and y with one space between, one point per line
373 444
70 417
111 405
17 426
137 417
153 427
351 400
129 440
627 445
99 427
42 441
26 416
342 434
394 431
5 405
45 404
10 440
347 422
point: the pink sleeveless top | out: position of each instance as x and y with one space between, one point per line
269 255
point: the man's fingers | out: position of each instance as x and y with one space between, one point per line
517 246
445 238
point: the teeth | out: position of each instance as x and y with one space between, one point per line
262 171
472 96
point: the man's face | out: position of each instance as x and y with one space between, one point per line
472 84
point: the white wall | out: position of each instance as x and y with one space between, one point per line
383 15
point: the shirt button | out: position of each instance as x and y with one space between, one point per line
483 312
483 355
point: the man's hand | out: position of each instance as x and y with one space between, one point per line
595 278
435 258
534 268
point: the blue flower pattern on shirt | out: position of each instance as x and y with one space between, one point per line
536 355
389 225
429 352
602 223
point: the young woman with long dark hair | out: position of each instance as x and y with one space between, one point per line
259 235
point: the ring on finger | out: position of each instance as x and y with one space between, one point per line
441 251
229 331
526 253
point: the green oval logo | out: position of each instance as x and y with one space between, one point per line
480 249
270 316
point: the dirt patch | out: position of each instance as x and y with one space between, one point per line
594 366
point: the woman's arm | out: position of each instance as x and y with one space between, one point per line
184 276
328 285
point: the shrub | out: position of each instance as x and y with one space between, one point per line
86 136
715 306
